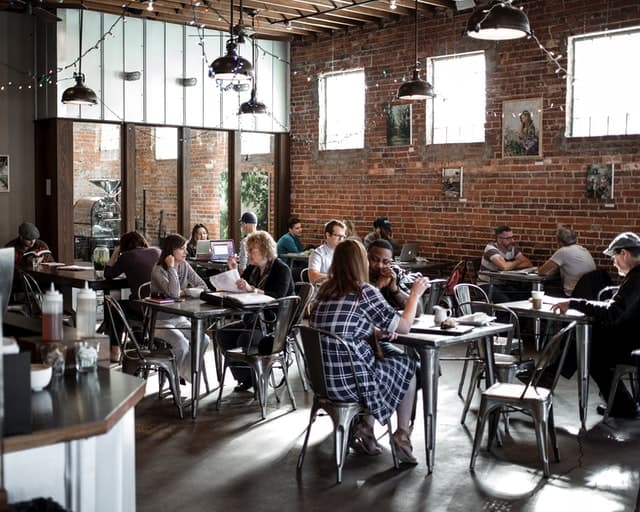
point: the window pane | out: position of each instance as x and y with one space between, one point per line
601 94
458 109
342 114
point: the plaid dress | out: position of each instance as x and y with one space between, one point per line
382 383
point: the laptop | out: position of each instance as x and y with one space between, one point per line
409 251
221 250
203 250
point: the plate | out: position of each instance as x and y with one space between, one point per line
476 319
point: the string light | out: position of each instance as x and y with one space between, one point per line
150 5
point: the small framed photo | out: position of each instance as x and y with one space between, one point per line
600 181
4 173
522 127
399 125
452 181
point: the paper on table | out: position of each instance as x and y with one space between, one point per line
75 267
226 281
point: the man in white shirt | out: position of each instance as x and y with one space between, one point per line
321 257
248 224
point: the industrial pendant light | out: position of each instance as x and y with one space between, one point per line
79 94
231 66
415 89
498 21
253 106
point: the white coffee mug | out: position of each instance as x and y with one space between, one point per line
440 314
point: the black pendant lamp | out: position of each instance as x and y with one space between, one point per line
79 94
231 66
253 106
498 21
416 88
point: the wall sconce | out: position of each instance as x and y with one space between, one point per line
188 82
131 76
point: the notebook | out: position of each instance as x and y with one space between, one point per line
409 251
203 250
221 250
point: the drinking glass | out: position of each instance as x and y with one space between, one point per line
100 260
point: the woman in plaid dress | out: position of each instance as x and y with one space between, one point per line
350 307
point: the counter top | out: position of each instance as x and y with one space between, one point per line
77 406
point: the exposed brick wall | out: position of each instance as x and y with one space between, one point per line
531 194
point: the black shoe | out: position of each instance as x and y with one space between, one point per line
243 386
182 381
631 413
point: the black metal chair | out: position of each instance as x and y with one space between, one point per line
140 360
306 293
342 413
535 400
262 364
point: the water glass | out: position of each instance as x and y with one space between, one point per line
54 354
87 355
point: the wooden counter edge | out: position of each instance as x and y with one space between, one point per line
81 431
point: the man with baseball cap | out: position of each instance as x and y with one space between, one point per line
248 225
616 324
29 246
382 231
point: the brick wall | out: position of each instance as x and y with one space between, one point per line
531 194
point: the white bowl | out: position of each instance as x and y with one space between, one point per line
40 376
193 292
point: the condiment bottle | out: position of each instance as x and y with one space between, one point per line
52 315
86 312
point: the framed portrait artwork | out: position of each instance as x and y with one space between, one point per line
522 127
399 125
600 181
452 181
4 173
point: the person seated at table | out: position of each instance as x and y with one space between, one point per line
290 242
393 282
170 277
350 307
248 225
320 258
503 254
382 231
135 259
571 260
616 324
28 246
199 232
350 230
265 274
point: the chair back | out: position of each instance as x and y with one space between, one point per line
608 292
465 293
119 325
503 314
306 292
591 283
7 258
33 293
287 307
436 291
144 290
313 342
554 354
304 275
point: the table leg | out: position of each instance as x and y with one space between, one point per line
537 286
197 333
583 337
429 364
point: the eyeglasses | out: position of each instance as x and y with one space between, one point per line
339 236
506 237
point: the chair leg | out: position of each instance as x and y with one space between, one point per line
476 372
463 375
618 372
342 427
552 435
297 347
394 454
174 384
477 439
541 425
312 419
224 371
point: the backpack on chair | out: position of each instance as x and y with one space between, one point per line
463 272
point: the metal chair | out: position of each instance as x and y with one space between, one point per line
531 398
263 364
342 413
304 275
140 360
306 293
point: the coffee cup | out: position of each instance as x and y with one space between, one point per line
440 314
536 299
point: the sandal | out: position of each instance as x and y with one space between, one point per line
402 443
364 440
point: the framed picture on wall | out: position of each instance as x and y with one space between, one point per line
600 181
4 173
399 125
522 127
452 181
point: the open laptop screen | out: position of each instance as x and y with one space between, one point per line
221 250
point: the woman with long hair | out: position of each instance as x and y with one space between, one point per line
199 232
170 277
349 306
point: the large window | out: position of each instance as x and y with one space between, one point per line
458 109
341 103
602 84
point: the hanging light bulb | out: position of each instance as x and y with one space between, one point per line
416 88
79 94
253 106
231 66
150 5
498 21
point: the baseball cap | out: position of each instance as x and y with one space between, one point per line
382 222
249 218
622 241
28 231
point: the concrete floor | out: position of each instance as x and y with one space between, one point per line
231 460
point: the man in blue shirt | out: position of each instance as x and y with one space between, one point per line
290 241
